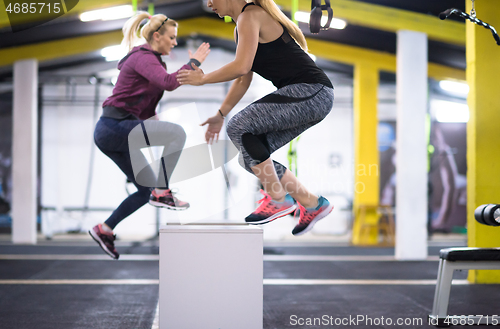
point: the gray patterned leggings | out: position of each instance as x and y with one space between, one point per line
278 118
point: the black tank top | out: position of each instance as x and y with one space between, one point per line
283 62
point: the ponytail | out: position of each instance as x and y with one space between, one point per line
272 9
132 26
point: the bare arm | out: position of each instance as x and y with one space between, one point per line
248 41
236 92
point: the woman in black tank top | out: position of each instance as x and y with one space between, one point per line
271 45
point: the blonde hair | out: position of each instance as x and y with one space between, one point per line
276 13
131 28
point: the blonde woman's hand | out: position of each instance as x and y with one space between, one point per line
201 53
191 77
214 127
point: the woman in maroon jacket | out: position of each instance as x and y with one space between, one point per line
142 80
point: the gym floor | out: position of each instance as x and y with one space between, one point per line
69 282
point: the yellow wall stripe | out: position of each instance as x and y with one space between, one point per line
60 48
218 29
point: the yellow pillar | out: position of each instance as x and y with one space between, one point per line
483 133
366 157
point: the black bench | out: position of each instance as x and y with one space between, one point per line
451 259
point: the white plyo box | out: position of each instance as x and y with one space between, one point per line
211 277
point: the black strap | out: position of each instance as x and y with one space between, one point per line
445 14
248 4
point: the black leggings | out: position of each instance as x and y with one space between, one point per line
122 141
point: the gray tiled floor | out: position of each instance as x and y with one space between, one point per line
128 306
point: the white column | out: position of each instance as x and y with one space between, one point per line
24 152
411 148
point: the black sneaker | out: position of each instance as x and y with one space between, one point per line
105 240
167 200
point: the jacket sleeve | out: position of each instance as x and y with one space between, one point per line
150 68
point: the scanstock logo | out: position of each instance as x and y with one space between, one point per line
172 145
26 14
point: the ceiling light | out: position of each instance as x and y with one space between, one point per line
446 111
303 17
454 87
113 53
107 14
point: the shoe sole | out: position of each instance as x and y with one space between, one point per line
321 215
275 216
162 205
101 244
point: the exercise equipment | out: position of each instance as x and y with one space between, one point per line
316 13
472 17
292 155
488 214
211 276
451 259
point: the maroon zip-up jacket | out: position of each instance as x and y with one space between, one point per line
142 80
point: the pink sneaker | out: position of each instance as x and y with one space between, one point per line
269 209
105 240
167 200
309 217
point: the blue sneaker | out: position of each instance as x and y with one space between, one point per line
269 209
309 216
